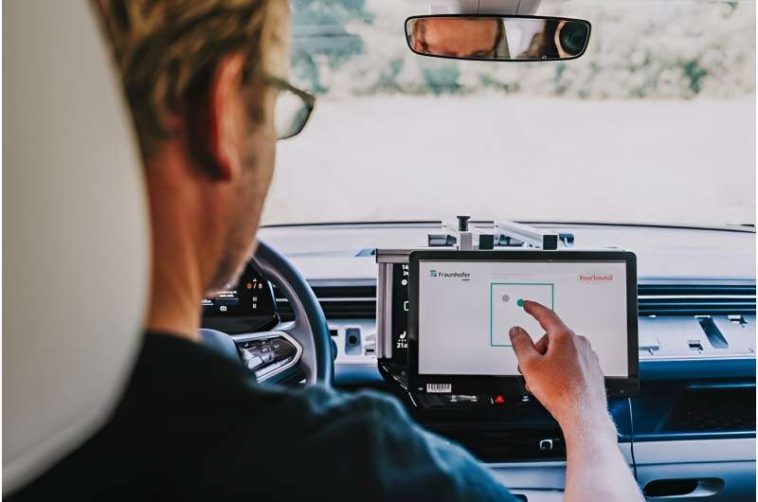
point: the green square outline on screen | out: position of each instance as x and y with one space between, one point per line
492 287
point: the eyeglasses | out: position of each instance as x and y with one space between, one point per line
292 109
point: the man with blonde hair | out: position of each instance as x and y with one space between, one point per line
202 78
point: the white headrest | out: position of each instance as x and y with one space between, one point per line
75 239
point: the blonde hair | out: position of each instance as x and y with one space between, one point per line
168 50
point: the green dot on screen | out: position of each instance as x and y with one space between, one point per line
520 302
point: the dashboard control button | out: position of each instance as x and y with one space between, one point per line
253 362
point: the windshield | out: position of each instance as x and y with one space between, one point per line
655 123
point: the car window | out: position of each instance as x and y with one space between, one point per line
655 123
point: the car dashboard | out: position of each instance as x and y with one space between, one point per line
690 431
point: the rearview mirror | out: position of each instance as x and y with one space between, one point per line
497 38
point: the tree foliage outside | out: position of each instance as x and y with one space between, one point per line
668 49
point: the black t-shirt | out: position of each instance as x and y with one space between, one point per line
193 426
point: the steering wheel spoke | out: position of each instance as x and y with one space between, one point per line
272 356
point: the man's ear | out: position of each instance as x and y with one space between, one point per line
217 127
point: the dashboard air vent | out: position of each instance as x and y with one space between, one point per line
338 301
696 300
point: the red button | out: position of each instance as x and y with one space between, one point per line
499 399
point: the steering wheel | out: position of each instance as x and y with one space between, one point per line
298 347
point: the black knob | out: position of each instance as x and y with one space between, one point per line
463 223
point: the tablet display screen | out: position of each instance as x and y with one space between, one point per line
467 308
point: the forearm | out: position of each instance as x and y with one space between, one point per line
596 469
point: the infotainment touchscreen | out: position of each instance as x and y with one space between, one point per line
463 305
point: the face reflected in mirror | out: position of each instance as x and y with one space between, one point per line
498 38
457 37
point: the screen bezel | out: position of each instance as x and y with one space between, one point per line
512 385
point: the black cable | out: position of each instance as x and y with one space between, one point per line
631 423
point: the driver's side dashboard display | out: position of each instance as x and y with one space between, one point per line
243 306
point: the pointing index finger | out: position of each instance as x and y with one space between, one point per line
548 319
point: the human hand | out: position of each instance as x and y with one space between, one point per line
561 369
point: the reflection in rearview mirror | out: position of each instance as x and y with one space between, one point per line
497 38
